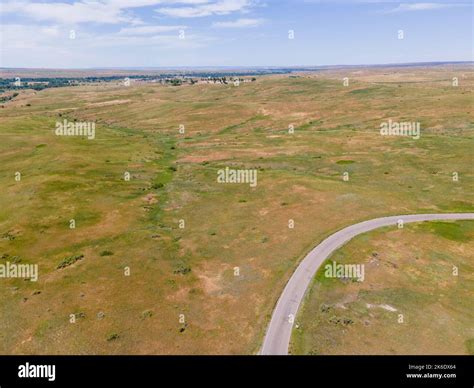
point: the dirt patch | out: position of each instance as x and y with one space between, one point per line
107 103
150 198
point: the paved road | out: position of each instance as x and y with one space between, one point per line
278 333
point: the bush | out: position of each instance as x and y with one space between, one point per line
69 261
112 337
146 314
182 269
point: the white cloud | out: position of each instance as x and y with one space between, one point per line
68 13
149 30
123 4
406 7
221 7
117 11
239 23
50 46
84 11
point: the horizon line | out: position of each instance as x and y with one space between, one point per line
302 67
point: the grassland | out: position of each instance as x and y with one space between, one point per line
416 297
190 270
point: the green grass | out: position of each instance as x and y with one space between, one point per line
450 230
470 346
173 178
409 270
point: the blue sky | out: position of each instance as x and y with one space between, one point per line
167 33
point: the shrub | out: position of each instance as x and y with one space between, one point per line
112 337
69 261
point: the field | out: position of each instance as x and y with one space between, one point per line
416 297
207 261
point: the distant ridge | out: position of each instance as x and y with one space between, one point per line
199 71
242 68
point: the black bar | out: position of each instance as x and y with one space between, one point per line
288 371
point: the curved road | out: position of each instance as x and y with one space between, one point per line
278 333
